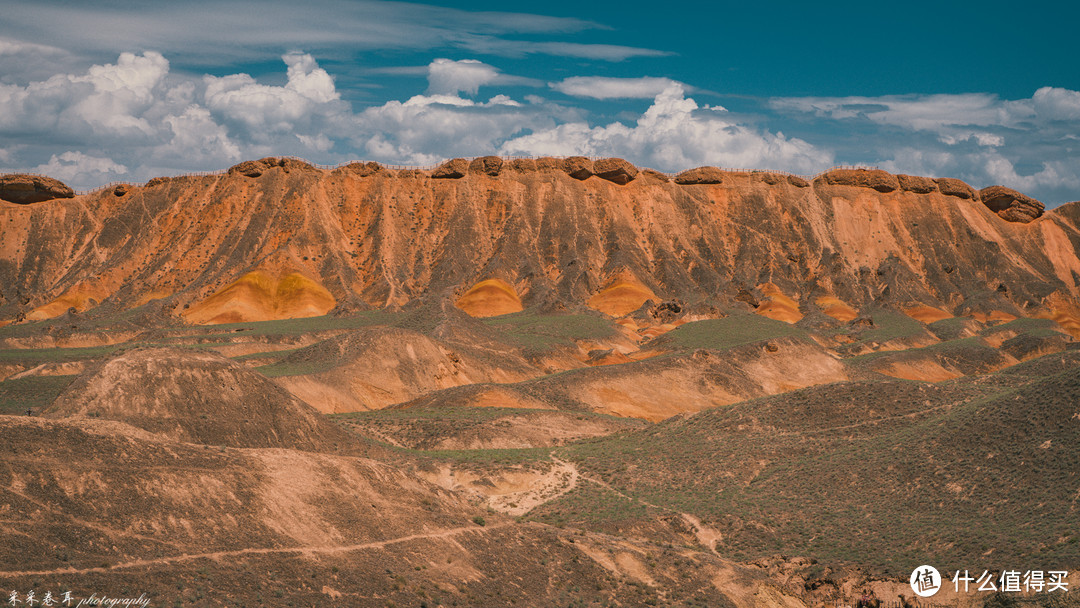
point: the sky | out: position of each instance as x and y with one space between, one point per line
102 91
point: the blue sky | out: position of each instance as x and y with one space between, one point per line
93 92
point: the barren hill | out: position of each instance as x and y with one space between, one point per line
197 397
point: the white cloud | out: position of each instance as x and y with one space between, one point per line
446 77
599 87
428 128
77 167
675 134
1054 103
225 31
262 108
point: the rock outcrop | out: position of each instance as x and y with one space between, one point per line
255 168
916 184
615 170
363 169
954 187
879 180
454 168
578 167
700 175
1010 205
24 189
488 165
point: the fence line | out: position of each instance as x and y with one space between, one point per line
434 166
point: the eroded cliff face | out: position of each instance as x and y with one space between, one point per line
285 239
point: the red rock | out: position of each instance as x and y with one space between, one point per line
489 165
364 169
700 175
615 170
768 177
548 163
1010 205
879 180
523 165
25 189
578 167
916 184
248 168
454 168
954 187
655 175
797 181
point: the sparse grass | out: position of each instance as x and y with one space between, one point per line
1039 328
729 332
544 331
37 356
289 327
890 325
35 392
877 473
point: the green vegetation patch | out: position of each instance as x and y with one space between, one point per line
879 473
729 332
34 392
307 325
37 356
530 329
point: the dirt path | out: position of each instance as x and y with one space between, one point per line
218 555
708 537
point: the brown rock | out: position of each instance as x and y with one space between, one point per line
768 177
411 174
120 190
248 168
700 175
157 181
364 169
1010 205
797 181
454 168
25 189
523 165
294 164
916 184
615 170
489 165
548 163
655 175
879 180
954 187
578 167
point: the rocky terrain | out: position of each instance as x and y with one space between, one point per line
541 382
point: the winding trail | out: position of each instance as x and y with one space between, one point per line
218 555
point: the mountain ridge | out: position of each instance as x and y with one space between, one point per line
280 238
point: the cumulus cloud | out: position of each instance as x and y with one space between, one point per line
428 128
77 167
446 77
600 87
674 134
1025 143
308 93
146 119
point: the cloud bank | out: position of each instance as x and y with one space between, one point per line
136 118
